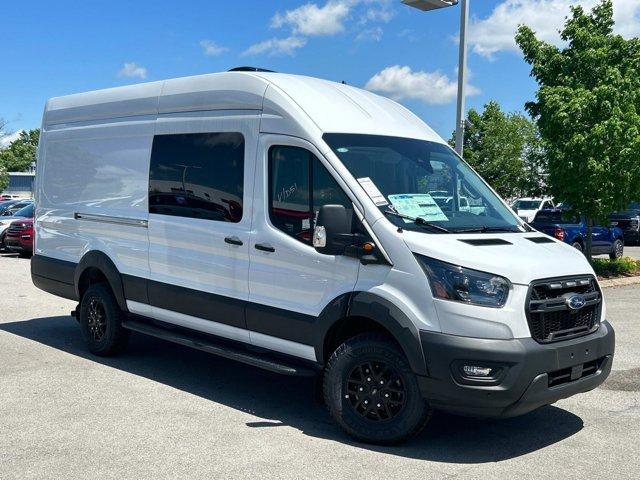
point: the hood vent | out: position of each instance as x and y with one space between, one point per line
486 241
541 239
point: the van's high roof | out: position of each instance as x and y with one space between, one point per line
289 102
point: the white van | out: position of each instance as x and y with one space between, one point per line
286 222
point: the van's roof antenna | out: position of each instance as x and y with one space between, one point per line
250 69
343 82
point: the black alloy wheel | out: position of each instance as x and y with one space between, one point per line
97 321
371 391
101 321
375 391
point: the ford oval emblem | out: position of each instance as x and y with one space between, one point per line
576 302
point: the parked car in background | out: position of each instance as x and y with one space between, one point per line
629 222
14 206
571 229
5 204
526 208
19 235
17 210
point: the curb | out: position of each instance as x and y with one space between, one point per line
620 282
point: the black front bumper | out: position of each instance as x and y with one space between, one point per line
528 374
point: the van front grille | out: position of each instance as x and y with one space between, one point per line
549 315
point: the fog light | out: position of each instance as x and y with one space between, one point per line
476 371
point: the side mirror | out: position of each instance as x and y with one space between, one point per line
332 233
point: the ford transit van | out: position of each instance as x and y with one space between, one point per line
310 228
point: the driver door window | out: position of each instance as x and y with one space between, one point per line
299 185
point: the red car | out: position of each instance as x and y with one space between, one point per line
19 236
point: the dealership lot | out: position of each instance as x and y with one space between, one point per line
164 411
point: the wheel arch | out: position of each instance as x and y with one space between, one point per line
578 239
97 266
359 312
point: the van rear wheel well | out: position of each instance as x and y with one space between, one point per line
350 327
90 276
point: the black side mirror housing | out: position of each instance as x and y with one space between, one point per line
332 233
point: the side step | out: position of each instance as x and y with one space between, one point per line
218 348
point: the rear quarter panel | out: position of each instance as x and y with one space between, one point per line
99 169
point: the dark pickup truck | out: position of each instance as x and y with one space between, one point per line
629 222
571 229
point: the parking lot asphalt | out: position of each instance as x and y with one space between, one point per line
632 251
164 411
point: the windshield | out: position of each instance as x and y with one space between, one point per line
410 179
634 206
526 204
25 212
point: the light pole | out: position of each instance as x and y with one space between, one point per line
427 5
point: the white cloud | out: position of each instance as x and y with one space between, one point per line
132 70
8 139
277 46
309 19
331 18
381 13
211 48
401 83
496 33
370 35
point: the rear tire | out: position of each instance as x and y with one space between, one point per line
617 250
577 246
101 321
371 392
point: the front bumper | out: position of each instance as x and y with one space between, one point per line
529 376
18 245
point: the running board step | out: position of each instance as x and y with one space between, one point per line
233 353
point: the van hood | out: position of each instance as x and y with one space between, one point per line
510 255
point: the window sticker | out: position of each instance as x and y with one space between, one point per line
418 205
372 191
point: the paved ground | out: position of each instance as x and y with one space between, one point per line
629 251
163 411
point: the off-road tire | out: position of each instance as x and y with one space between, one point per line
112 338
367 348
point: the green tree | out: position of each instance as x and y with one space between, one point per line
506 150
4 179
21 153
587 109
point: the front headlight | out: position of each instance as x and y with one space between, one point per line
459 284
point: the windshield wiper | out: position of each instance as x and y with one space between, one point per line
418 221
486 229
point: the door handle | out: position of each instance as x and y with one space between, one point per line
233 240
264 247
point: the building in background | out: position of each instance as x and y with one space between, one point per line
20 185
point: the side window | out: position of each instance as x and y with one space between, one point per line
197 175
299 185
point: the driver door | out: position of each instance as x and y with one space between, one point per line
290 283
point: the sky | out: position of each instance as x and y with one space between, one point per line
63 47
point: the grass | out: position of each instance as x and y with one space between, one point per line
621 267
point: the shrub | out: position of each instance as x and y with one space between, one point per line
618 267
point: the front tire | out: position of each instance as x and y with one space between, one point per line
101 321
577 246
371 392
617 250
